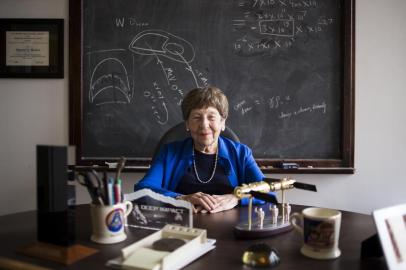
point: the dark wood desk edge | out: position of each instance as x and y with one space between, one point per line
304 170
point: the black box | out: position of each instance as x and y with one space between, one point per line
55 198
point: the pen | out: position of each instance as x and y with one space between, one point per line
100 200
86 181
96 186
110 192
117 191
120 167
105 189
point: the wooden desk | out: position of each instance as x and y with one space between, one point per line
17 230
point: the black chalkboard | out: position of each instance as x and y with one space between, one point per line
286 67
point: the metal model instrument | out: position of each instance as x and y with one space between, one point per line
274 223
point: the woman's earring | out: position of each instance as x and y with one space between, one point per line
187 130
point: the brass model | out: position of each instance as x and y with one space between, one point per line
260 191
244 190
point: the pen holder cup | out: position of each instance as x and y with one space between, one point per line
108 222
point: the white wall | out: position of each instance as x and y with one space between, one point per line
36 112
31 112
380 116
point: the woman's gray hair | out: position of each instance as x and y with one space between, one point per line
204 97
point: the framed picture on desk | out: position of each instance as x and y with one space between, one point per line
391 226
31 48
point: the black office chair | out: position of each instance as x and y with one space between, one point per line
179 132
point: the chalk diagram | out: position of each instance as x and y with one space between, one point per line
109 83
160 42
110 79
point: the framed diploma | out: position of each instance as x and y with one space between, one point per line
391 226
31 48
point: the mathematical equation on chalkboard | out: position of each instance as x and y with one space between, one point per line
272 25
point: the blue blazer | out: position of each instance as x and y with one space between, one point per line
174 158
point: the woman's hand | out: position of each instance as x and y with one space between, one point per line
201 201
206 203
226 202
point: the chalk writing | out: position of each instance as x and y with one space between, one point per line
283 28
283 3
248 46
284 115
129 21
203 78
278 105
170 77
245 110
158 107
239 105
275 101
244 107
279 22
321 106
304 109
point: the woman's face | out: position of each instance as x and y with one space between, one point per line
205 125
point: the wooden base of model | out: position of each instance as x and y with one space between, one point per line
264 227
243 231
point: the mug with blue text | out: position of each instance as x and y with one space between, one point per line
108 222
320 229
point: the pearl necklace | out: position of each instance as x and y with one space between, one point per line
214 169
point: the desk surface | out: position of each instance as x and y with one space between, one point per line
17 230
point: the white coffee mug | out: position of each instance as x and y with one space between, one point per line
320 231
108 222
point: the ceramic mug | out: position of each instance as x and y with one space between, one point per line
320 231
108 222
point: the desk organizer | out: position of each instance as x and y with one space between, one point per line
142 255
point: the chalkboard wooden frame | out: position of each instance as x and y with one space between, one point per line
345 164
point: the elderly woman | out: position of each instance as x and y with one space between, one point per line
205 167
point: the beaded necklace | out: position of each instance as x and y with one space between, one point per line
214 168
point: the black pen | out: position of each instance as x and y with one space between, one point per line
105 188
95 189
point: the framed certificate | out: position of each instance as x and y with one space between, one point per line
31 48
391 226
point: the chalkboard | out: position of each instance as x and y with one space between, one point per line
285 65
